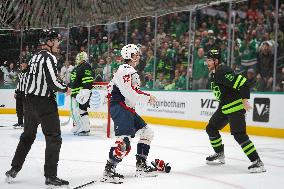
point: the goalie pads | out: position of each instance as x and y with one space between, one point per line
83 96
80 117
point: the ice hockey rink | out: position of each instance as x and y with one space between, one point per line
82 160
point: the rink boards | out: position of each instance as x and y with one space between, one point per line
188 109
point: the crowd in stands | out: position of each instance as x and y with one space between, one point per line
175 66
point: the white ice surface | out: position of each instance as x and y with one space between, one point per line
82 159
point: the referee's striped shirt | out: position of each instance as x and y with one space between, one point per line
22 82
42 77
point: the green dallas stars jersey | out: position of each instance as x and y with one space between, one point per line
81 78
229 89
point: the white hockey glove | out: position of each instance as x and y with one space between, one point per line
83 96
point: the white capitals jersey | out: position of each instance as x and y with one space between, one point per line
125 87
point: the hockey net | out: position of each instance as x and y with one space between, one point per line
99 110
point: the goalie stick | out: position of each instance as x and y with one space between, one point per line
69 118
65 122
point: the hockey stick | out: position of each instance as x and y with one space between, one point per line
84 185
65 122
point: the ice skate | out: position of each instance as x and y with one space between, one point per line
10 175
142 169
110 174
55 182
257 167
18 126
83 133
216 159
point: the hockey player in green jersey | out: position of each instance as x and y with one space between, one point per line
81 85
232 91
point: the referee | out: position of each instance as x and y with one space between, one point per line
20 94
41 108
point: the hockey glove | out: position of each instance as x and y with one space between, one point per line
83 96
160 165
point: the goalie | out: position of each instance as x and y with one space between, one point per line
81 85
124 90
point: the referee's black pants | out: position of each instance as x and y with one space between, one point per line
40 110
20 100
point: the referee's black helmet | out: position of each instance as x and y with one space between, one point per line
46 35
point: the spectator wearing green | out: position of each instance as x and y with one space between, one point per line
161 82
200 71
94 49
149 62
178 27
236 54
171 58
181 82
104 45
248 50
10 75
224 52
149 81
117 60
172 86
98 69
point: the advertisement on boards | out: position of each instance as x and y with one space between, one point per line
194 106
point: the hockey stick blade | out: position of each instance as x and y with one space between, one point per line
84 185
6 126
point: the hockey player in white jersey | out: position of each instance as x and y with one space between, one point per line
124 92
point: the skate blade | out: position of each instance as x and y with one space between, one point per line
257 170
18 127
217 162
111 180
57 187
9 180
143 174
83 134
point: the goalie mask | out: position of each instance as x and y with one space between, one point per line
82 56
128 50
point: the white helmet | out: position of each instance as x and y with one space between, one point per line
129 49
82 56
